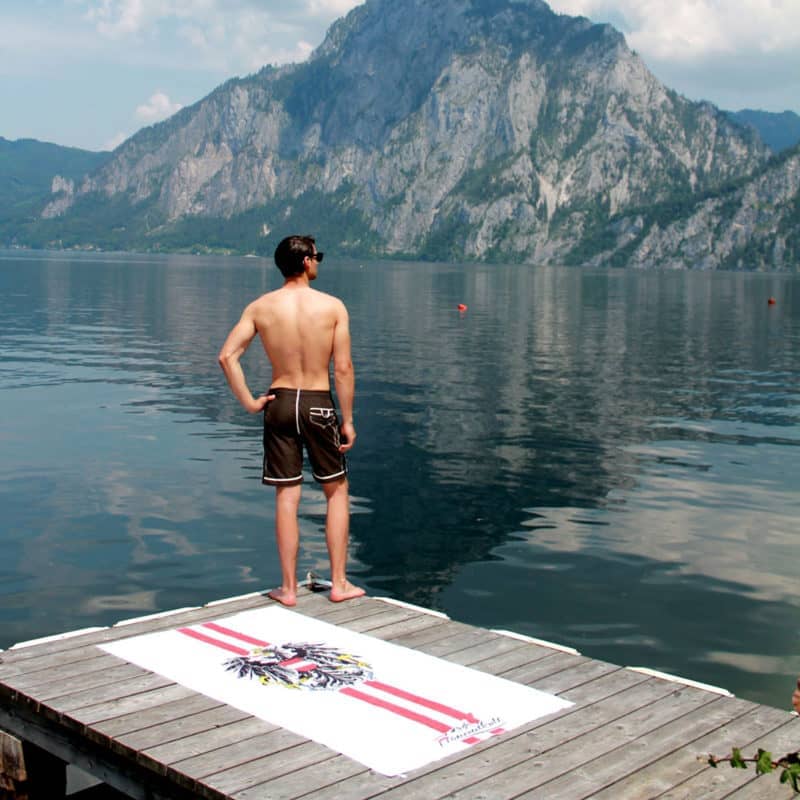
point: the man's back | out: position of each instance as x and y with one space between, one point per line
299 327
301 331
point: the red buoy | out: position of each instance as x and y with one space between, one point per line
462 307
772 301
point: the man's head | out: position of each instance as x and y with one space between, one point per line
291 255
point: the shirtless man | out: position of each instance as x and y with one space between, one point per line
301 330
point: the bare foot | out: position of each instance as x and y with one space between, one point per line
345 591
283 596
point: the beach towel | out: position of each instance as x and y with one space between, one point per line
388 707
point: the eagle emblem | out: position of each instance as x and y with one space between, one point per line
301 665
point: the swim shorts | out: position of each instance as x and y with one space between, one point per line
298 417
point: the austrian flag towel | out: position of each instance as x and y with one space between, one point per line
388 707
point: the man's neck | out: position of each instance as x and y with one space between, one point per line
296 282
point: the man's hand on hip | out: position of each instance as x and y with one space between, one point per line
259 403
348 433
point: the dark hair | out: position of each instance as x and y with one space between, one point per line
291 252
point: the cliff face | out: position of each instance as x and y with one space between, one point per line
755 225
457 129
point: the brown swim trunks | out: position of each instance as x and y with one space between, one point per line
298 417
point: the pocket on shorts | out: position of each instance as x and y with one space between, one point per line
323 417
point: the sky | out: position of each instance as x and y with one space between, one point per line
90 73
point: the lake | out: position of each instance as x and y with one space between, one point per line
605 459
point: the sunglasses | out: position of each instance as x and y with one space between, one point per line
317 256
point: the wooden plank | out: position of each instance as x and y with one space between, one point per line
565 758
13 657
86 716
638 745
511 659
495 755
557 749
461 645
599 688
684 763
723 782
95 683
341 613
224 746
447 641
530 674
21 674
241 777
492 647
765 787
466 637
444 630
13 774
298 782
18 671
575 675
373 624
70 747
139 682
784 740
176 713
403 626
553 749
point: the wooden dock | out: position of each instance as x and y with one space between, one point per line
629 734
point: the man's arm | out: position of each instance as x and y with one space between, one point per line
344 377
235 345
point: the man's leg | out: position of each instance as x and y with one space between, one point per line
287 535
337 535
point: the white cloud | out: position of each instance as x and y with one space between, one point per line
158 107
736 54
120 18
305 49
114 142
331 8
691 30
232 36
117 19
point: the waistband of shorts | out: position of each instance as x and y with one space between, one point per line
321 393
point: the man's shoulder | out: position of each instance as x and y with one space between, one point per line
328 299
266 299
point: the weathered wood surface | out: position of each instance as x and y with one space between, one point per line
629 736
13 775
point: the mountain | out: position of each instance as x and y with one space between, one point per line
27 171
461 129
778 131
751 224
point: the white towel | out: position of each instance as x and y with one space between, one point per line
388 707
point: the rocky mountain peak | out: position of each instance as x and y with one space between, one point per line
455 129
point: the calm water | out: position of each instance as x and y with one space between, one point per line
609 460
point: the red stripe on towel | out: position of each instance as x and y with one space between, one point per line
243 637
422 701
395 709
211 640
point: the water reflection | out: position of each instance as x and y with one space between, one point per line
588 457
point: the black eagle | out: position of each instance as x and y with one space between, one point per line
301 665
